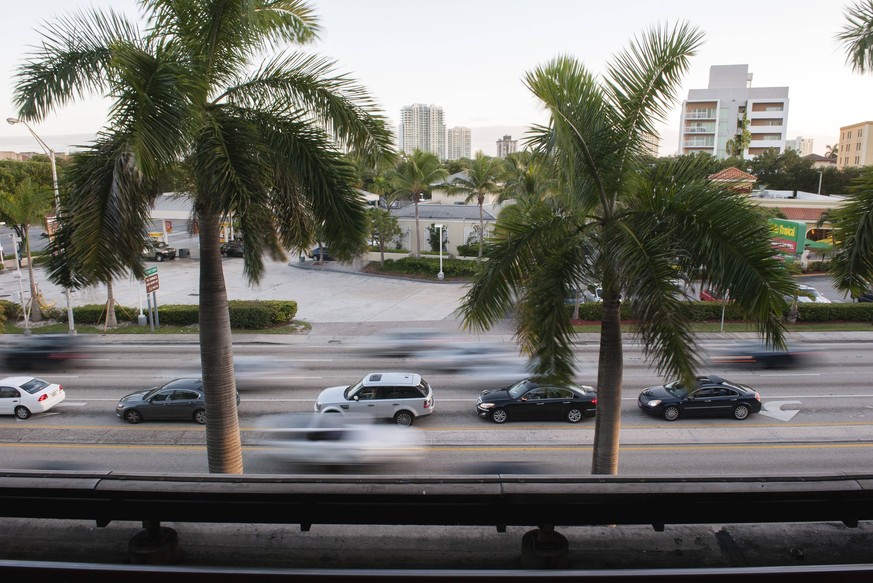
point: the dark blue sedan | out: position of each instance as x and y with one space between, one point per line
710 396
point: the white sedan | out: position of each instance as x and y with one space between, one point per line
23 396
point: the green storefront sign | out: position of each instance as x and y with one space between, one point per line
787 237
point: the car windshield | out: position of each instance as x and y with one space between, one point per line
676 388
352 389
34 386
520 388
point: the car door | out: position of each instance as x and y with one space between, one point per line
560 401
158 406
365 401
724 399
183 403
700 402
532 405
10 397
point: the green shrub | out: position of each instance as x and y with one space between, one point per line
709 311
244 314
429 267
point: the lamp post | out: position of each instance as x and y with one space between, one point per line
440 275
51 155
820 174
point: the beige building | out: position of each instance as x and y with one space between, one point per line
856 145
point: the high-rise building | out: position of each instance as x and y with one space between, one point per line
713 116
803 146
506 146
856 145
422 127
458 142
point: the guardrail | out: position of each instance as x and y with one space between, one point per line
495 500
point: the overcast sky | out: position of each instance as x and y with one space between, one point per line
469 56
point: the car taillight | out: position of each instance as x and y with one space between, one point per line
757 396
60 388
42 397
593 401
427 403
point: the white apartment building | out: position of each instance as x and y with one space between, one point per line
803 146
856 145
506 146
458 143
712 116
422 127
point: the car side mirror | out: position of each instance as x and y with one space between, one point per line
355 398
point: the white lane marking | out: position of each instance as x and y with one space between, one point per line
75 403
774 409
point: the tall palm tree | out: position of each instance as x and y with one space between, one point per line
415 176
831 152
260 141
26 206
481 178
857 36
527 177
632 227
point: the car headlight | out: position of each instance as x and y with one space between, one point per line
653 403
486 405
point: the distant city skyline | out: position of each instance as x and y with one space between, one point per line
483 89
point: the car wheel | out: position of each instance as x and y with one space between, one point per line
671 413
741 412
132 416
574 415
22 412
404 418
200 416
499 416
159 258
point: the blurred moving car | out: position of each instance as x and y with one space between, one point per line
407 342
338 440
484 360
23 396
710 396
159 251
401 396
763 356
320 254
233 248
178 399
44 350
530 400
867 296
251 371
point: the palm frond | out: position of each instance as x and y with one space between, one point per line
857 36
852 265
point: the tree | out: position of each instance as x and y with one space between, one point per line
384 228
736 146
25 206
414 177
857 36
527 178
481 178
633 227
832 152
260 142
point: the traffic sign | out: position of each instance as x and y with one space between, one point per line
151 270
151 279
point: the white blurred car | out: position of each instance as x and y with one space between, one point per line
808 294
490 360
340 440
23 396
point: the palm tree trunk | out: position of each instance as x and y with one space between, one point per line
111 321
35 312
223 443
416 249
609 381
481 225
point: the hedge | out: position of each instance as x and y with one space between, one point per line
244 314
708 311
427 265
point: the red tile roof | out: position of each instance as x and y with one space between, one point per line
733 173
802 214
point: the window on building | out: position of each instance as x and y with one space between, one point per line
857 159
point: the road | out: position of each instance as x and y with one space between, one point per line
816 419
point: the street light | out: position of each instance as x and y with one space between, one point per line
440 275
51 154
820 174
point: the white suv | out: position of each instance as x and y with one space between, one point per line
401 396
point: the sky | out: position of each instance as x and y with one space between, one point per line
470 57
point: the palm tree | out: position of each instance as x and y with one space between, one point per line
632 227
480 179
27 206
857 36
415 176
831 152
260 141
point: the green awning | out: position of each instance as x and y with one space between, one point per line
817 244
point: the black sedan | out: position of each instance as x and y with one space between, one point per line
710 396
529 399
233 248
757 354
178 399
41 350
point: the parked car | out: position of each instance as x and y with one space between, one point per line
529 399
763 356
41 350
711 295
401 396
337 440
25 395
320 254
159 251
808 294
232 248
178 399
710 396
867 296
